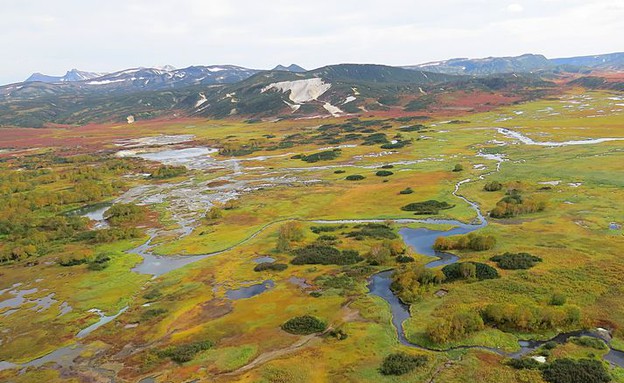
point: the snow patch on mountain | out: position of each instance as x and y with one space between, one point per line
334 110
349 99
202 99
301 90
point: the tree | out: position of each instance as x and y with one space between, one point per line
378 255
458 168
215 212
289 232
493 186
468 270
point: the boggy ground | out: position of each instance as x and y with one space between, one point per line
574 236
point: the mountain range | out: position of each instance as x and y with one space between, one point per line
218 91
523 63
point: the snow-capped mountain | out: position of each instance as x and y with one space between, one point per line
72 75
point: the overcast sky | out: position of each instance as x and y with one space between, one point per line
54 36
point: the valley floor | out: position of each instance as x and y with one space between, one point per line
218 199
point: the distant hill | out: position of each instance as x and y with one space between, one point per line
486 66
291 68
526 63
606 61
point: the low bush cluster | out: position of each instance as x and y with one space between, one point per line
469 271
411 281
457 327
373 230
168 171
152 313
475 242
322 156
185 352
324 255
589 341
514 204
401 363
354 177
515 261
529 318
270 266
493 186
427 207
576 371
304 325
384 173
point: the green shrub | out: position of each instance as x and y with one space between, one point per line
100 262
406 191
72 261
589 341
401 363
396 145
524 364
269 266
404 259
373 230
457 327
304 325
343 282
338 334
515 261
125 213
458 168
558 299
529 318
152 294
152 313
456 271
493 186
514 204
185 352
355 177
376 139
168 171
322 156
387 166
576 371
427 207
471 241
325 229
324 255
339 171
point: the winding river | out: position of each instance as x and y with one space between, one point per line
422 240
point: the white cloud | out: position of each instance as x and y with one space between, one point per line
54 36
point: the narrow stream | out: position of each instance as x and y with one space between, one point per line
422 240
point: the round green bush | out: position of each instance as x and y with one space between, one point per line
515 261
384 173
401 363
304 325
355 177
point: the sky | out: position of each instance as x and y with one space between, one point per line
52 37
